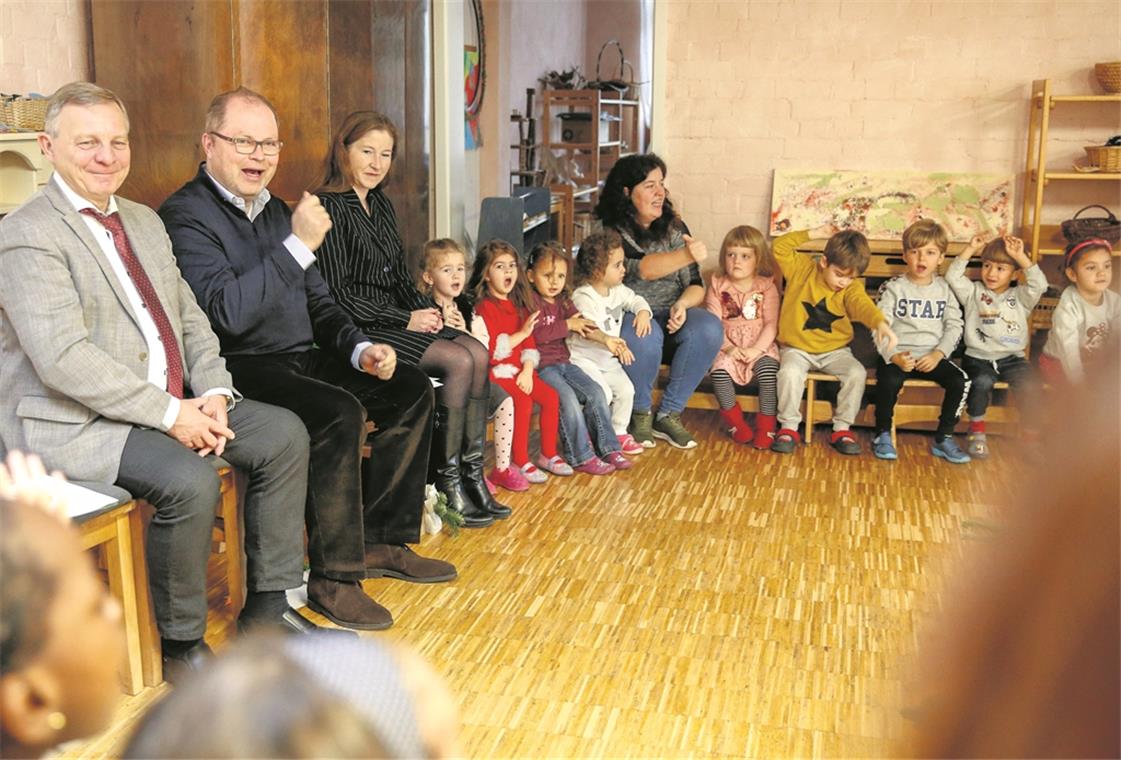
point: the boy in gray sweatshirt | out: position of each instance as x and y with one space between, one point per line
925 315
996 324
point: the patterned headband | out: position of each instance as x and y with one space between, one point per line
1082 245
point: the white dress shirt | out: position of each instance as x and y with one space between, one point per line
157 357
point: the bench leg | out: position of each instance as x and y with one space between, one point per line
231 526
150 654
122 584
811 394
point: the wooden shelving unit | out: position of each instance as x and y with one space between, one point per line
618 136
1046 239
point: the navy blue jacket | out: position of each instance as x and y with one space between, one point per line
258 298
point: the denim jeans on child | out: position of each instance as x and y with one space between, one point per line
583 408
689 351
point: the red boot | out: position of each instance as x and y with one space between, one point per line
737 425
764 431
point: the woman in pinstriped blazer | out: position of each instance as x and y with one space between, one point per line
363 261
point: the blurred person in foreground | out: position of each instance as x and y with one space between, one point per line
61 637
305 697
1025 659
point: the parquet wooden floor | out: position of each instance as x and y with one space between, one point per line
712 602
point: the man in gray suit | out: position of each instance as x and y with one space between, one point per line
110 371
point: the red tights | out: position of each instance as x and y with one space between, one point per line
544 396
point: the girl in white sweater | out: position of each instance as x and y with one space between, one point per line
1088 314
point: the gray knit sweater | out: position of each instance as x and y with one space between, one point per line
924 317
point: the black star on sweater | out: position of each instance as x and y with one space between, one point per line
819 317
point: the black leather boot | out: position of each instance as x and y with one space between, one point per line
447 442
471 463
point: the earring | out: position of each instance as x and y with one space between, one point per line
56 721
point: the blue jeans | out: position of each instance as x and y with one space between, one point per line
581 399
690 352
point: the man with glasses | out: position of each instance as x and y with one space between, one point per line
250 262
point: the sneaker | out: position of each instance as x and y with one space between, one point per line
668 427
555 465
511 479
977 446
618 461
845 443
629 445
596 466
532 474
642 429
949 450
883 448
786 440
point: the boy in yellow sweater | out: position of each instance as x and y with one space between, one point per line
819 305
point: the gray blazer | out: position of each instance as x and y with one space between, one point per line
73 361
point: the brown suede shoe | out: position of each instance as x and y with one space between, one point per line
345 603
401 562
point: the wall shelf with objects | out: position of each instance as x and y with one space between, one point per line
593 129
1046 239
23 169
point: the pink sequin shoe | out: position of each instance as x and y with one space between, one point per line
596 466
511 479
554 464
618 461
490 486
630 445
532 474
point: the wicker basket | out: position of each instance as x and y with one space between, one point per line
24 113
1107 227
1104 157
1109 75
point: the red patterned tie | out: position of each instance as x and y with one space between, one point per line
148 296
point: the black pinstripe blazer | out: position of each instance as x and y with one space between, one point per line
363 261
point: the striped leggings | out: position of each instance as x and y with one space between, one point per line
764 373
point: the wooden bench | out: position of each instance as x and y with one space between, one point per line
909 413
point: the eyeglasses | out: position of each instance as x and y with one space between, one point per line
246 146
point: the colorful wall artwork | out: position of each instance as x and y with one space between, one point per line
883 204
472 137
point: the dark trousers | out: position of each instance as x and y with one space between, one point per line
889 381
984 373
351 501
271 448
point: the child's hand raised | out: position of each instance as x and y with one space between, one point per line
904 361
697 249
1015 248
581 325
642 324
826 230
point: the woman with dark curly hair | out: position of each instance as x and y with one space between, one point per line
662 266
363 261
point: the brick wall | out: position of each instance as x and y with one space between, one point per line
754 85
43 44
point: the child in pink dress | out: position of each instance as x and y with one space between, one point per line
743 295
